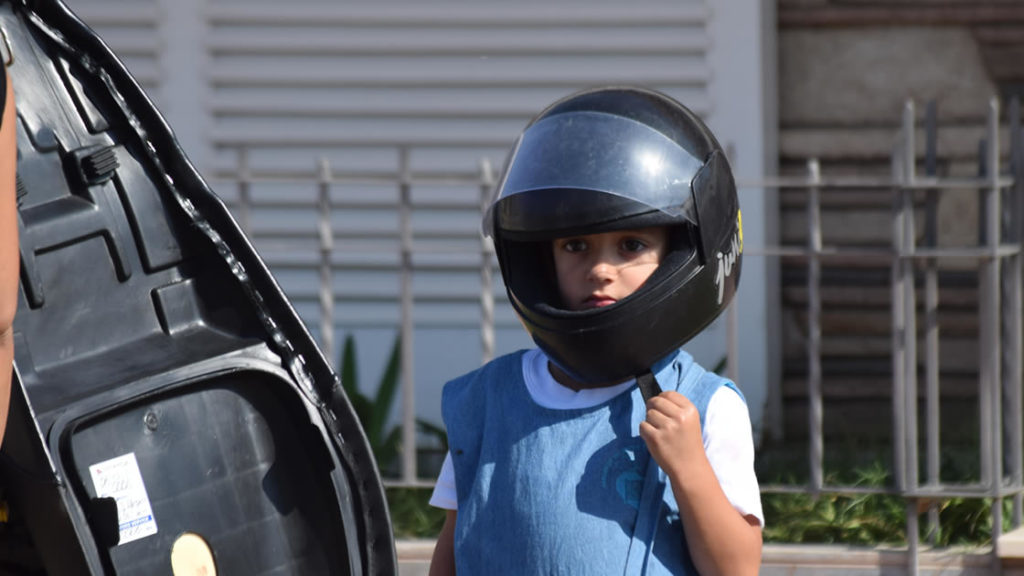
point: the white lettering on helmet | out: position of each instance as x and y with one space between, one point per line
726 263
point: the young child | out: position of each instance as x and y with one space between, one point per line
607 450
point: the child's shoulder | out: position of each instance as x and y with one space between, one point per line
466 396
502 365
699 383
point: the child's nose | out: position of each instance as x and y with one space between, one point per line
602 270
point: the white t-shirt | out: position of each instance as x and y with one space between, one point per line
728 439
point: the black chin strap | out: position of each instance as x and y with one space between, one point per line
645 526
648 385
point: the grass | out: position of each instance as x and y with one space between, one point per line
862 519
870 519
874 519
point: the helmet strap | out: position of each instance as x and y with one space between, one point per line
648 386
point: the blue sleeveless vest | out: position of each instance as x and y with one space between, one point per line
544 491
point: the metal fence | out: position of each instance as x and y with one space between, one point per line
915 258
323 248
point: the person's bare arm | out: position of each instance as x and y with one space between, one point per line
8 252
722 542
443 561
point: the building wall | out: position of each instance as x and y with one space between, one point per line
846 70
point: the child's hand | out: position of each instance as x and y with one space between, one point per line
672 432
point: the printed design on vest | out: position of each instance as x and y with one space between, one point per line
622 474
613 481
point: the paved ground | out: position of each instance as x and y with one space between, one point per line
797 560
414 557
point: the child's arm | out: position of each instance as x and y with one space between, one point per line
721 541
8 248
443 561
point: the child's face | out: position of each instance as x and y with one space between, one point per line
600 269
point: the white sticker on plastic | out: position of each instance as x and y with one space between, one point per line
119 478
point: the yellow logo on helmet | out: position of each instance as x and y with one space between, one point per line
739 226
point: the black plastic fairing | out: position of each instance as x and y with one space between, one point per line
149 332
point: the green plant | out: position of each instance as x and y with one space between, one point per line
968 521
862 519
373 412
871 519
721 365
411 513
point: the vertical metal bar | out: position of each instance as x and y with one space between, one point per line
486 263
984 374
993 328
814 243
407 360
898 325
244 195
909 295
326 238
997 531
931 320
913 541
910 464
1015 328
732 341
989 302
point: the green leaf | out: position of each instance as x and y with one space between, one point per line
388 387
350 384
435 431
348 367
720 367
387 451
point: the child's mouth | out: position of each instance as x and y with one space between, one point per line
598 301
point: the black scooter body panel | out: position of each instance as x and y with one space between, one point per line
149 331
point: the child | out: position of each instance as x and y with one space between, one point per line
608 450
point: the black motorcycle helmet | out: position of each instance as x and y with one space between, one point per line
611 159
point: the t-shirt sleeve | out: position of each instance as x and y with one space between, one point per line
729 443
444 491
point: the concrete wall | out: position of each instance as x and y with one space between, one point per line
846 70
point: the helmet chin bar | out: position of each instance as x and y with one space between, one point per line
579 344
578 340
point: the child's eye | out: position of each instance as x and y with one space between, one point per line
574 245
633 245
